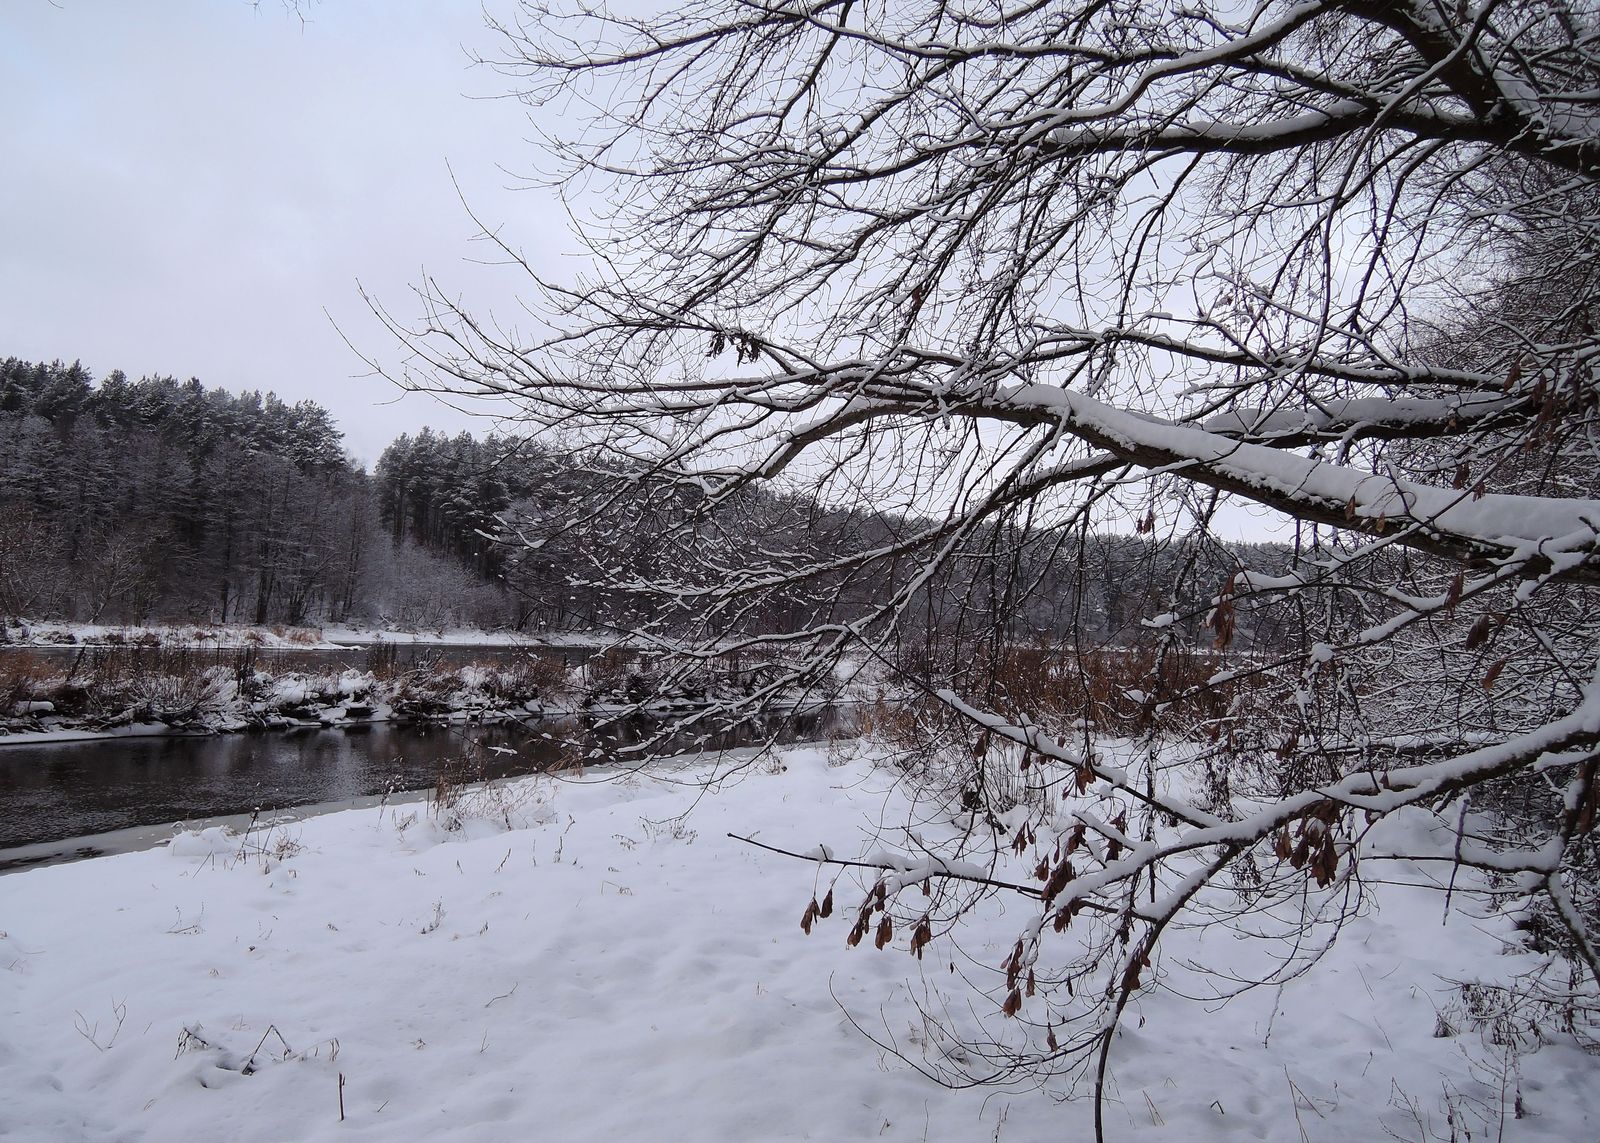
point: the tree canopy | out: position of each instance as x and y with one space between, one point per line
1045 266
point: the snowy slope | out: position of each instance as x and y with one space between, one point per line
611 971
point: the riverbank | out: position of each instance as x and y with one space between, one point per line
72 803
330 637
600 961
132 695
140 689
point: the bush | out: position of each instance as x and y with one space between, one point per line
20 678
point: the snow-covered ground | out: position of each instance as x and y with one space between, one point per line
54 633
49 633
330 637
609 969
346 635
216 700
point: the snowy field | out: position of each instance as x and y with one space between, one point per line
609 969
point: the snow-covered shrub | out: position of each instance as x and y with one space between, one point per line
423 692
491 806
1536 1010
605 670
527 678
980 781
213 841
669 829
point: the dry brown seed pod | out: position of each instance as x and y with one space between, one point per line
1058 880
921 936
1493 672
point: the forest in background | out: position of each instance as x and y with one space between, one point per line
131 501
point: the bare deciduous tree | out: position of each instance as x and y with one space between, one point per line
1008 272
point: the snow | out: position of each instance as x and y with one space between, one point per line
614 967
332 637
1351 414
213 841
1524 526
50 633
74 734
344 635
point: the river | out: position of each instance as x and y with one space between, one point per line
54 797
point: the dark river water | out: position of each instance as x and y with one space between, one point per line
72 789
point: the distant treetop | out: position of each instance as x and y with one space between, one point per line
303 432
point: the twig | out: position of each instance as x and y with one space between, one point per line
191 1038
119 1009
1025 890
250 1062
503 995
1455 865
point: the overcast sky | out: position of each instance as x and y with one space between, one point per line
192 187
196 188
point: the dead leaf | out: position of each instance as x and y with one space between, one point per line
1493 672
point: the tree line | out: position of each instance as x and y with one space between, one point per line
133 499
154 499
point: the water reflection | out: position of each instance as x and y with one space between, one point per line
72 789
